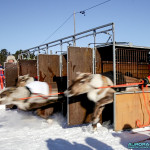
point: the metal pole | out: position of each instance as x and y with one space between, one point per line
114 54
38 63
74 41
94 53
74 23
68 86
28 57
114 70
46 48
38 50
106 25
60 60
60 63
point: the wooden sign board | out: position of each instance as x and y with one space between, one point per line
28 67
11 74
79 108
128 108
49 71
48 67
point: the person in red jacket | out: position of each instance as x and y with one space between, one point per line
2 77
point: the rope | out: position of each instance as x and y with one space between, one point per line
41 96
120 85
138 122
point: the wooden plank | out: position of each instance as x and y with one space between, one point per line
62 80
129 108
98 63
80 108
49 71
28 67
79 60
48 67
11 74
64 65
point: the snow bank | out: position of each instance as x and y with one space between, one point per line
23 131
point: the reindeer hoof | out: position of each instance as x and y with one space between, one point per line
94 127
50 121
99 125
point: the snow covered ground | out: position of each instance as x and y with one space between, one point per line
24 131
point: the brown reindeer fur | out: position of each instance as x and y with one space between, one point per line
11 96
90 83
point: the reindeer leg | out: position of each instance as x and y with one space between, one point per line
44 113
96 115
100 105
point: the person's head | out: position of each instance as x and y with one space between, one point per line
11 59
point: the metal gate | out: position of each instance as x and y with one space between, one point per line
132 62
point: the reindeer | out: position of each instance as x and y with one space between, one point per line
24 80
35 90
90 83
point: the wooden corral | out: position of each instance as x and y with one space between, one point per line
130 60
80 108
11 74
49 71
64 65
133 63
13 70
136 70
23 67
48 67
129 108
53 69
27 67
80 60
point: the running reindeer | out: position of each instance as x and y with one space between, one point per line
34 90
90 83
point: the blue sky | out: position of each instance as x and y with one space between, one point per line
27 23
